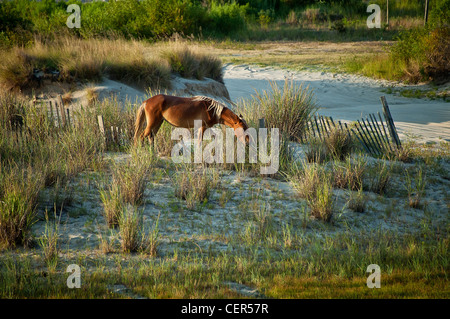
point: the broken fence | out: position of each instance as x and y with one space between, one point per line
377 137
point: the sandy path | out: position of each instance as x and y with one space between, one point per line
349 97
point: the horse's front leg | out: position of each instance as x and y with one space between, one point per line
200 135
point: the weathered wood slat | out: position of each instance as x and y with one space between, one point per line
390 122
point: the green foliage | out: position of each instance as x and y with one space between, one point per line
440 13
227 18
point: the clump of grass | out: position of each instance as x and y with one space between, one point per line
150 241
381 176
130 225
321 203
190 62
131 177
133 235
357 201
128 184
112 205
338 143
349 174
49 242
415 187
314 184
403 154
19 190
287 108
316 151
194 186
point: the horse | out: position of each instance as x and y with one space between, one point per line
182 112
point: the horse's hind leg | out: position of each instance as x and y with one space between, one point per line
152 128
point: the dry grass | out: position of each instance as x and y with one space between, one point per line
19 190
133 62
287 108
349 174
191 61
194 185
339 143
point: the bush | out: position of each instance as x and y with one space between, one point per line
226 18
426 51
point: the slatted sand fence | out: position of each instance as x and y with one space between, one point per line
64 117
377 137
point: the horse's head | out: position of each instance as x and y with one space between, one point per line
238 125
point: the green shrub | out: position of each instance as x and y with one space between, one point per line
227 18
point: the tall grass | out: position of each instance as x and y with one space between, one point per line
127 185
287 108
314 183
48 157
191 62
19 190
132 62
194 185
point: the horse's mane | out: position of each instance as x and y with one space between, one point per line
213 104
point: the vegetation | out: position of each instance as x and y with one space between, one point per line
287 108
135 63
165 230
184 216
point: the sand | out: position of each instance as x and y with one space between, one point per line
349 97
344 97
215 227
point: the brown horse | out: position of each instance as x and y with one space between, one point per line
182 112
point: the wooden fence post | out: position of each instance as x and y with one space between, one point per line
63 113
390 122
261 123
68 117
101 126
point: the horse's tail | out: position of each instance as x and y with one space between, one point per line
140 118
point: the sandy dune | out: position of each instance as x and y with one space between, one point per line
349 97
342 96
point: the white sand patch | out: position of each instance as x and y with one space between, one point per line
349 97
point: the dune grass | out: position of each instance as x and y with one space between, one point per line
287 108
130 61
